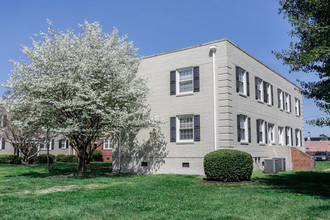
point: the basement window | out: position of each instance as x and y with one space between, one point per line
185 164
144 164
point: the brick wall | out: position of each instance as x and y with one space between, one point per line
301 160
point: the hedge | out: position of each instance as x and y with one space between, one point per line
43 158
97 155
10 158
69 158
228 165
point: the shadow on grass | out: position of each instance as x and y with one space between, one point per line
301 182
70 170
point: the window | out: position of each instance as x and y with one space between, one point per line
271 136
268 93
63 143
280 95
287 102
243 128
261 131
298 138
185 80
288 137
50 145
241 81
3 119
186 128
2 143
259 94
106 144
280 135
297 106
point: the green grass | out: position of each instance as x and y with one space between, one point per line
29 192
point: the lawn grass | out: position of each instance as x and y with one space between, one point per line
29 192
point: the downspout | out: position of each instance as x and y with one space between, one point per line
213 49
119 145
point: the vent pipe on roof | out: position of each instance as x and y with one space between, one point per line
213 49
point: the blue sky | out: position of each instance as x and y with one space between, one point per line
158 26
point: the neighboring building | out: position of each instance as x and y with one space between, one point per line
317 144
254 109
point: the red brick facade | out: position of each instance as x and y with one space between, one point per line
301 160
106 153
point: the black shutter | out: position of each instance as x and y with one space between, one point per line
173 129
66 143
1 120
247 84
271 89
283 101
102 143
237 80
278 98
266 133
300 138
59 143
197 134
53 142
3 144
258 140
256 85
238 128
172 83
249 129
4 120
265 92
299 107
196 79
291 137
290 102
286 136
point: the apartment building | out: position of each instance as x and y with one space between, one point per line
214 96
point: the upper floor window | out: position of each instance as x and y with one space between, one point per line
297 106
242 81
106 143
280 95
287 102
271 136
185 80
280 135
259 95
268 96
3 120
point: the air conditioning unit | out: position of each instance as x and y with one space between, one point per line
271 166
281 163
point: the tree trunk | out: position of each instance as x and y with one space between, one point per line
82 162
25 161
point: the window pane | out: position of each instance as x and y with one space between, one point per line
185 75
186 86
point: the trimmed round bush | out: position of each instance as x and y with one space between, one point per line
10 159
70 158
43 158
228 165
97 155
59 157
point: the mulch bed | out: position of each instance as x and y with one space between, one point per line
221 182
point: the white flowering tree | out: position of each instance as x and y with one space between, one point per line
82 86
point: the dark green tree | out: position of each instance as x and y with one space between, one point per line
310 53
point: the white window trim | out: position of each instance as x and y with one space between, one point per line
297 107
288 133
281 140
269 133
245 121
64 143
281 100
261 90
178 129
297 133
263 129
109 142
2 122
45 146
269 93
177 76
287 100
244 81
1 143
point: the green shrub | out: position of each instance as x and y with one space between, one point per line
43 158
70 158
97 155
10 158
59 157
228 165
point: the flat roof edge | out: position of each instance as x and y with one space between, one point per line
218 41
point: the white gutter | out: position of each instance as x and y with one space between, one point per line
213 49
